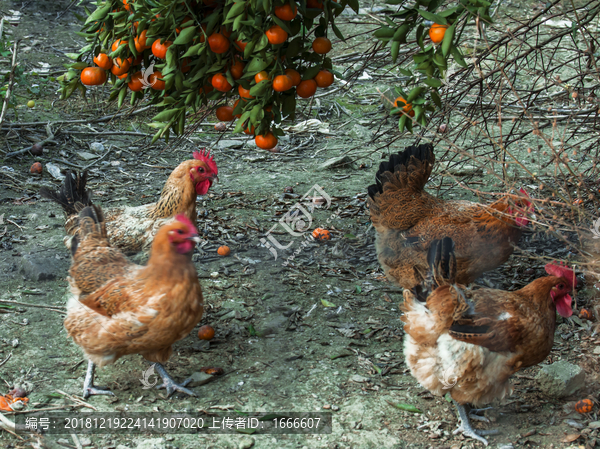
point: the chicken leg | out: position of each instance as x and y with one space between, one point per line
88 384
466 428
170 384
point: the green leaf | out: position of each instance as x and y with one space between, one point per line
337 32
281 23
433 82
354 5
447 42
193 50
402 123
436 98
349 236
327 303
251 330
357 289
384 32
458 57
99 13
395 50
406 407
310 73
433 17
166 115
448 12
122 94
260 88
236 10
400 34
77 65
416 92
186 36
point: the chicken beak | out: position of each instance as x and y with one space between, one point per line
195 238
214 179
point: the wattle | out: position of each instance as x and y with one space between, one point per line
202 187
563 306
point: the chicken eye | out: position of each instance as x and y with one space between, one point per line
561 286
179 231
200 169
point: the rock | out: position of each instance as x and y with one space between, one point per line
152 443
199 378
224 144
560 379
63 441
37 268
335 162
86 156
359 379
54 170
597 350
275 324
97 147
594 425
85 441
246 443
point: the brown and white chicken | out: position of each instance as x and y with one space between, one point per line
132 228
119 308
469 342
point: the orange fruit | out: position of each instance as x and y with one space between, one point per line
136 61
116 44
237 69
218 43
244 93
36 168
321 45
126 4
286 12
294 76
203 34
281 83
219 82
324 78
261 76
266 142
185 65
207 87
120 66
401 103
141 42
179 28
306 88
321 234
240 45
156 83
584 406
160 50
206 332
103 61
223 250
225 113
276 35
225 32
249 131
136 82
317 4
124 75
437 32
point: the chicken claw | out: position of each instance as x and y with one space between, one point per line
473 414
466 428
170 384
88 384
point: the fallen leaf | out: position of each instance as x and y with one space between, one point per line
327 303
570 438
405 407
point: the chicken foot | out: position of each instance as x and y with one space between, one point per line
170 385
466 428
473 414
88 384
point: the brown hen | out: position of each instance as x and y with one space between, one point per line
132 229
407 219
468 343
119 308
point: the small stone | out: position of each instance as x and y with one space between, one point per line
85 441
224 144
275 324
97 147
594 425
37 268
359 379
597 350
63 441
326 407
246 443
199 378
560 379
335 408
152 443
335 162
86 156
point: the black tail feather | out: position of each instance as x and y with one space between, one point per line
442 266
91 221
73 195
423 152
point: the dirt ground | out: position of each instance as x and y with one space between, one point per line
281 348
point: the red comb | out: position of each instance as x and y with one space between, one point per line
561 270
186 221
524 192
204 156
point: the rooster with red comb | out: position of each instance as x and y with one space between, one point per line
132 228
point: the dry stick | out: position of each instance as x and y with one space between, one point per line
55 309
10 83
25 150
6 359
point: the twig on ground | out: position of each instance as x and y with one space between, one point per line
10 82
